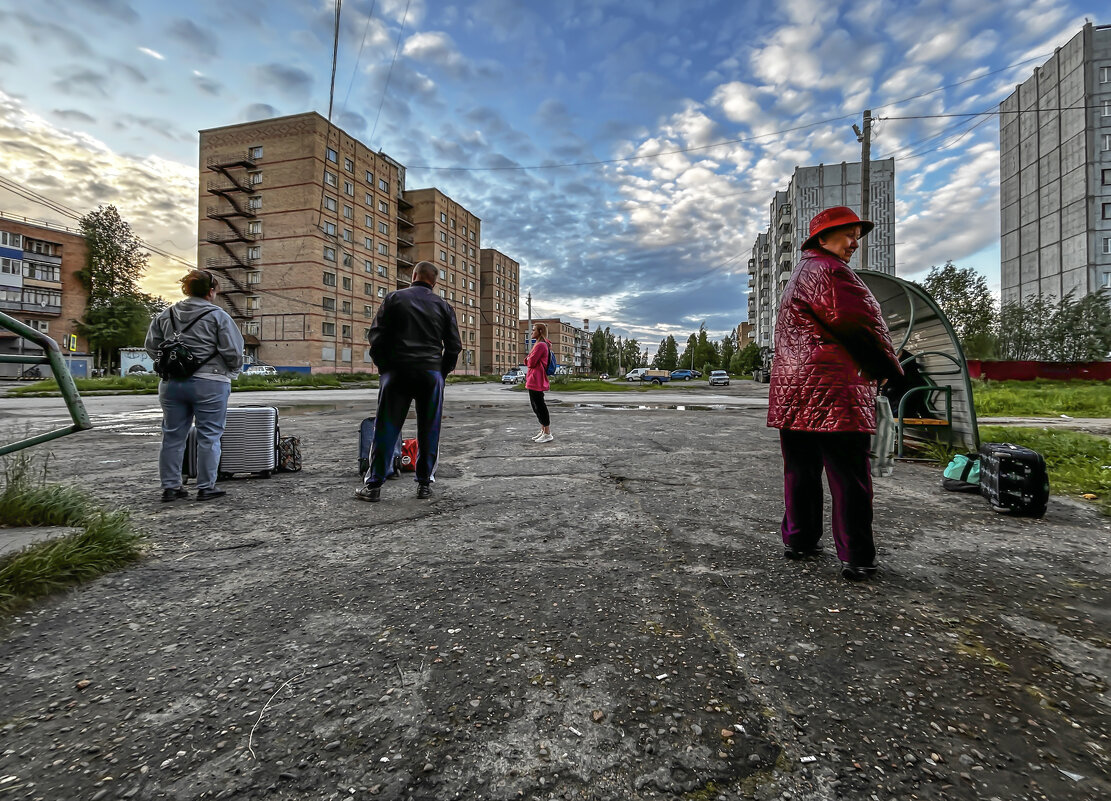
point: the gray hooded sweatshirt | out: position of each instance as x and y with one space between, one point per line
215 332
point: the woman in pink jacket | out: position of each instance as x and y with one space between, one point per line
536 380
831 347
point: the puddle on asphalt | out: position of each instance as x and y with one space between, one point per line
307 408
648 407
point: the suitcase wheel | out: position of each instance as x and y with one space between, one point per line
220 476
263 474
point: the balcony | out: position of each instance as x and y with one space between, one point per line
225 160
229 262
402 203
404 219
785 213
227 187
405 240
404 261
784 275
224 212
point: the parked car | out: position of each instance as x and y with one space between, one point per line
259 369
513 377
719 378
684 375
636 373
655 376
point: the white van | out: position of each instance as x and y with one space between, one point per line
635 373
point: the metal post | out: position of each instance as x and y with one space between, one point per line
865 178
528 331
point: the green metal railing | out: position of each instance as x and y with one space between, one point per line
52 356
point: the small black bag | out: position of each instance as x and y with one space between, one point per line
289 454
174 359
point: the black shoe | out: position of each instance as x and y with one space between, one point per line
424 491
210 494
371 494
858 572
174 494
798 554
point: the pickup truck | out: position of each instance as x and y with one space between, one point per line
655 376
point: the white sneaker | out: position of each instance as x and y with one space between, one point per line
537 436
545 438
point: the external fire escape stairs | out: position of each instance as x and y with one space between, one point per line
235 188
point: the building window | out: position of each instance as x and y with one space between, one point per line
252 327
1107 211
443 237
451 223
330 203
369 199
348 212
1106 108
383 248
349 188
256 152
330 255
347 260
331 155
383 228
381 292
330 178
1107 245
382 269
329 228
369 178
329 304
11 240
254 252
349 165
11 266
1106 177
328 329
254 277
1106 142
383 207
347 236
254 227
443 255
254 203
347 284
451 241
329 279
443 294
443 275
368 220
464 230
472 235
368 311
383 184
256 177
366 332
443 217
368 289
367 266
254 303
368 243
1105 74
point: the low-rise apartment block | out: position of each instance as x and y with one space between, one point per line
40 288
571 345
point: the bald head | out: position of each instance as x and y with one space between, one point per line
425 271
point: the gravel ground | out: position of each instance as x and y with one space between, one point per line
607 616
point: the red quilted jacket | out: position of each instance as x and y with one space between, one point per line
831 345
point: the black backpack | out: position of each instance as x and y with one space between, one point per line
173 359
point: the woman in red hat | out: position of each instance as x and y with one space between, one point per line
831 347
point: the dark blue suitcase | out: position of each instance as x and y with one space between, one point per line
1014 479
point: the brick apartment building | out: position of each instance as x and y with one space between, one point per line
40 288
310 230
498 303
571 344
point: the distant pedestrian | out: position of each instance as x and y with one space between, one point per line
414 341
831 347
202 397
536 380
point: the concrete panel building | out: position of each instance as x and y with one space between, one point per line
450 237
498 303
1055 173
301 223
39 287
810 190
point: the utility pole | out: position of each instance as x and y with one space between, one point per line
865 139
620 368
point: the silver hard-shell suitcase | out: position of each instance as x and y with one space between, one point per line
250 441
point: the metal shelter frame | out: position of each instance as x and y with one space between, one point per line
52 356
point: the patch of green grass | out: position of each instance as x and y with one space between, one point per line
107 541
148 384
1042 398
1078 463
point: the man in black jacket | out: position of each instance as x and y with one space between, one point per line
415 343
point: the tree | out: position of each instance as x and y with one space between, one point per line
727 349
706 352
122 322
630 354
599 360
745 360
667 357
114 257
686 359
963 294
1068 330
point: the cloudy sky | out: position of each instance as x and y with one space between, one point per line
624 152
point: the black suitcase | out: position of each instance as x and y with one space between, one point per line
1014 479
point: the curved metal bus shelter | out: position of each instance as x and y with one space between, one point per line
922 334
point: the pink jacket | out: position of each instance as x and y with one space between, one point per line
537 363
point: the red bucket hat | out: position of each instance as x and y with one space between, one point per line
834 218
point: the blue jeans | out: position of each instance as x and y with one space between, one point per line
397 390
184 401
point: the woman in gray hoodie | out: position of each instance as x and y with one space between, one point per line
201 398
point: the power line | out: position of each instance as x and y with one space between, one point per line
389 73
995 113
358 58
335 55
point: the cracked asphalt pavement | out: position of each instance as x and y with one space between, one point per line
606 616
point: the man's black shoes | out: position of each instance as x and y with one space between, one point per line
210 494
174 494
371 494
799 554
424 491
858 572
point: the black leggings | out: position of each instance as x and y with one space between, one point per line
536 398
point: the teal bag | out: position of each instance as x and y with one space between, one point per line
963 473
